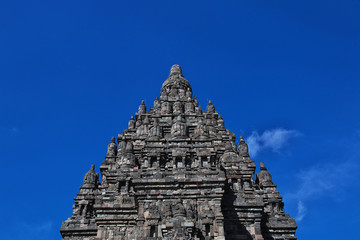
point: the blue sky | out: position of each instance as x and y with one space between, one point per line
285 74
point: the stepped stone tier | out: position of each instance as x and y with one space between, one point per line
176 173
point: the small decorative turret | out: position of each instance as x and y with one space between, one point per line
243 148
176 69
111 150
131 124
263 178
189 106
142 108
91 179
210 108
157 103
121 143
220 123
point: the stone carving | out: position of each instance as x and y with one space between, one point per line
142 108
155 131
201 130
243 148
210 108
177 174
121 143
177 108
178 209
131 124
220 123
157 104
143 129
91 178
111 151
189 106
179 129
165 108
263 178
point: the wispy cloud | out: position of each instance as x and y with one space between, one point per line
319 181
273 139
301 211
10 130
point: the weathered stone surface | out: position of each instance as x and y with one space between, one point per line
176 173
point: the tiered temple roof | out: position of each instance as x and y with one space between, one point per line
176 173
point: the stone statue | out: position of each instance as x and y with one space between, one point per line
263 178
91 179
189 106
142 108
210 108
157 105
201 130
143 129
155 131
188 93
111 150
220 123
177 108
179 129
165 108
121 143
127 159
243 148
131 124
138 123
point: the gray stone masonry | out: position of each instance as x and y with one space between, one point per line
176 173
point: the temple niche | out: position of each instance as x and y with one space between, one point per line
177 173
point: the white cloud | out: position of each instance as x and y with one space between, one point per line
321 180
301 211
273 139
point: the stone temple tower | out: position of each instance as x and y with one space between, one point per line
176 173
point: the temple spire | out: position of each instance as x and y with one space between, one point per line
175 87
176 69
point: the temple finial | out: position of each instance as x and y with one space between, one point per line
243 148
176 69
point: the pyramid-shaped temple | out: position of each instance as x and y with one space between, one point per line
176 173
